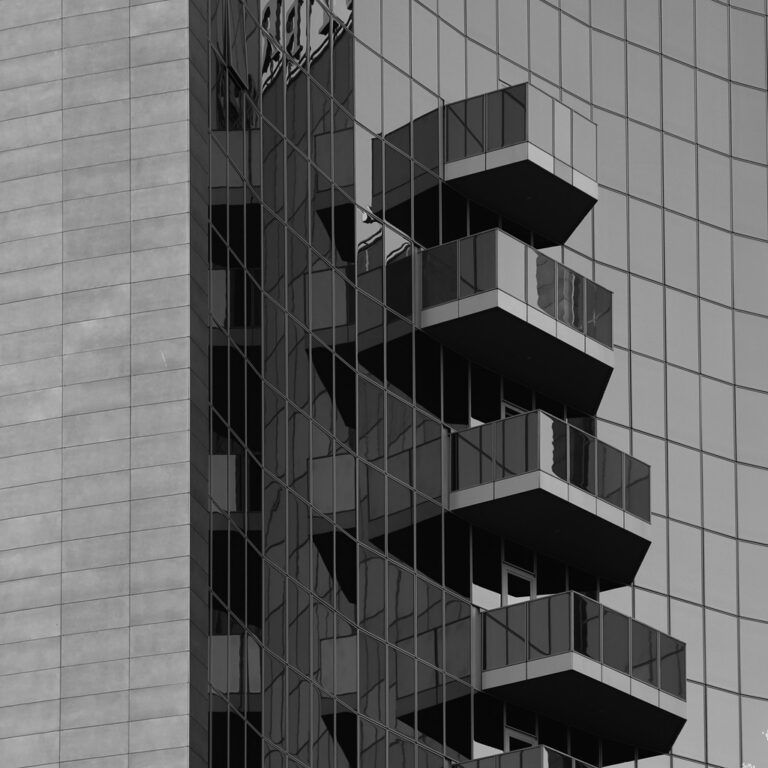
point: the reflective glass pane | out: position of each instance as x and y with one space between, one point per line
609 474
516 443
570 298
541 276
505 117
672 658
615 640
638 488
439 275
586 627
599 320
474 127
582 459
473 457
477 264
549 625
644 653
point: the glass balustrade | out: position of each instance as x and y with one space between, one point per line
520 113
536 441
485 123
570 622
494 260
531 757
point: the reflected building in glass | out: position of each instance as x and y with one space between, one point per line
383 383
488 453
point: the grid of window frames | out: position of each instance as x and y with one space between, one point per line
327 405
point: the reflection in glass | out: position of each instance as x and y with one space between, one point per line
672 663
570 298
440 265
569 621
616 640
638 488
644 653
537 441
495 260
586 627
549 626
582 459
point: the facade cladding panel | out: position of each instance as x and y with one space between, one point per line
103 371
381 383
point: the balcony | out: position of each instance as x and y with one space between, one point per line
532 757
543 483
526 156
569 658
504 305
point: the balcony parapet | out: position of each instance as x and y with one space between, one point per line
503 304
531 757
544 483
523 154
568 657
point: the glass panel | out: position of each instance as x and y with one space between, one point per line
467 459
542 282
438 275
554 446
515 446
644 653
530 758
557 759
570 298
672 657
493 120
540 119
504 637
599 314
455 117
513 115
586 627
478 264
638 489
516 633
475 126
609 474
549 624
510 260
615 640
494 642
582 460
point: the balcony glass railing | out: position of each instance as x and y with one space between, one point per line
537 441
494 260
531 757
570 622
517 114
485 123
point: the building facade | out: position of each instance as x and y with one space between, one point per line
380 383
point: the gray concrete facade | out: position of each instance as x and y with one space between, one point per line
103 384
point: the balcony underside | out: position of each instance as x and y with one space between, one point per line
561 362
547 515
509 182
615 709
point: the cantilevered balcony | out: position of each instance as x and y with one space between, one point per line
531 757
524 155
569 658
543 483
502 304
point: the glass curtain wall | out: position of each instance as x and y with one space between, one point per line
341 587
